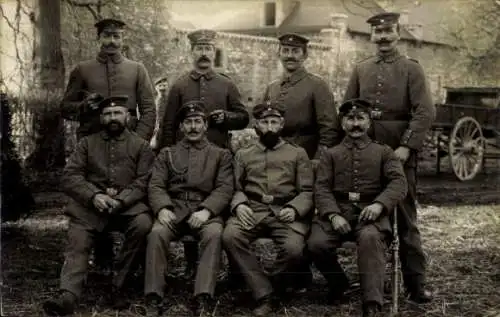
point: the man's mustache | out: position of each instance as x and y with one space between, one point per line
356 129
383 41
193 132
111 46
203 59
290 59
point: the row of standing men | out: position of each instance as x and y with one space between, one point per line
394 84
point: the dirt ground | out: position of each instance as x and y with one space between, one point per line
462 244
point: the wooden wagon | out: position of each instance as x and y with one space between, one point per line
467 129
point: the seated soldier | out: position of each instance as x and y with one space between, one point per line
273 199
358 184
107 178
191 185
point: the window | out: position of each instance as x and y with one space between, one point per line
270 14
218 62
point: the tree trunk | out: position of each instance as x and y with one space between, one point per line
49 153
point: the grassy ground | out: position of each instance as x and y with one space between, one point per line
462 243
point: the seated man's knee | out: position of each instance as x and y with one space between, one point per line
212 231
317 244
368 235
230 235
143 224
159 232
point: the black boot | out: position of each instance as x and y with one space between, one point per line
154 305
420 296
63 305
119 299
203 305
264 307
336 291
372 309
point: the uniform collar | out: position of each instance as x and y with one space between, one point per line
360 143
198 145
294 77
261 146
196 75
116 58
389 58
121 137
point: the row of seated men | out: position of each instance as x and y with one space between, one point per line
270 189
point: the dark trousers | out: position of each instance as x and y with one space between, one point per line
371 247
81 239
237 242
156 256
413 262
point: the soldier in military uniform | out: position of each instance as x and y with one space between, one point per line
404 112
220 95
107 178
110 74
311 117
161 87
191 186
273 199
358 184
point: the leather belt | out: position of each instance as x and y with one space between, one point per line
381 115
354 196
269 199
188 196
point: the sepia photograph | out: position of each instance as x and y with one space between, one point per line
234 158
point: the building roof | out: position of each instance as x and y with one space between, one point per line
311 17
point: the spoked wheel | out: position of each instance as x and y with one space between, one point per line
466 148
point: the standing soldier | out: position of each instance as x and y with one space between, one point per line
109 74
220 95
190 188
359 183
161 87
403 115
311 117
107 177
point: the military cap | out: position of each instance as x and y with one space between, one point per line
293 40
202 37
383 18
113 101
267 109
190 109
160 80
109 23
355 105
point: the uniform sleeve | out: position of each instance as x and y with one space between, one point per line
422 109
146 104
237 114
157 190
138 189
323 195
326 115
352 90
74 181
304 180
396 186
168 126
239 182
221 195
73 96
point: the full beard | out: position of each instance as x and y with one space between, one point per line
269 139
114 128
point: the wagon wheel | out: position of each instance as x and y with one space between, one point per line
466 148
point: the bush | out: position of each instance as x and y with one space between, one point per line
17 200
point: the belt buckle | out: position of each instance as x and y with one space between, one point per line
354 197
376 113
267 199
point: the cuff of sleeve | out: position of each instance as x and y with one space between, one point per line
406 140
387 205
